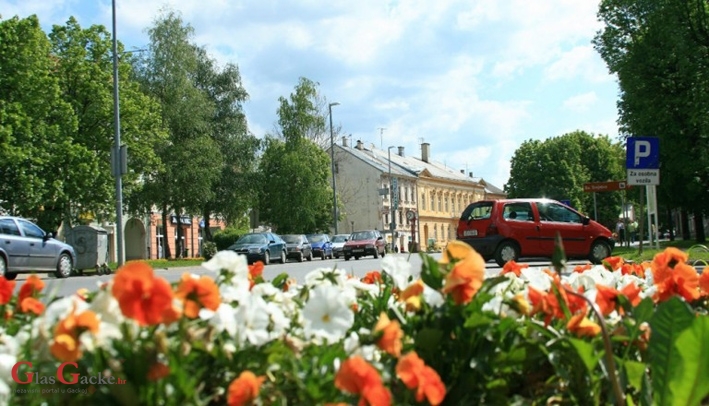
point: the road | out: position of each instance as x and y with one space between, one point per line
298 270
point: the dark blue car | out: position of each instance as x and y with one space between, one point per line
321 244
263 247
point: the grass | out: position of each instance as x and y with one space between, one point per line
698 253
166 263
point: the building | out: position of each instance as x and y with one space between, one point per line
434 193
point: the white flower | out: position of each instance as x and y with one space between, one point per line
223 319
433 297
230 261
7 361
105 305
536 278
327 315
399 269
336 277
252 320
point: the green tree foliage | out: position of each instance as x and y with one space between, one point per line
660 52
41 165
558 167
85 74
191 157
235 192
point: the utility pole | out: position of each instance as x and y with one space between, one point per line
381 137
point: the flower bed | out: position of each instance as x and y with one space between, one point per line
594 335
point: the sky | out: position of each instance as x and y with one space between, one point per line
473 78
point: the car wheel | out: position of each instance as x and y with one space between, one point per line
310 256
347 258
301 257
384 252
283 257
600 250
376 253
3 270
266 258
322 256
506 251
356 258
64 266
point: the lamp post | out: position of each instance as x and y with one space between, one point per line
332 163
392 223
118 154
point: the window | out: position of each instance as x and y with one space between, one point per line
423 201
520 211
433 203
8 227
557 213
446 208
477 211
440 206
31 230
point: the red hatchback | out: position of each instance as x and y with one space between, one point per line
506 230
363 243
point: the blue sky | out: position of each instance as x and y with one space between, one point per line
474 79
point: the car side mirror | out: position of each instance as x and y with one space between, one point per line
380 238
272 242
48 236
586 221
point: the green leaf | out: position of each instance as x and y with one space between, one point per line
587 352
691 384
634 371
670 320
428 339
430 272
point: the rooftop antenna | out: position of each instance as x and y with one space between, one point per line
420 141
381 137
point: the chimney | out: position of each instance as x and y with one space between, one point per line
471 174
425 151
462 171
360 145
344 142
401 151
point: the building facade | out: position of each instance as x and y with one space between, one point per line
427 197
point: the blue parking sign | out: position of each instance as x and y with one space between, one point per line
643 153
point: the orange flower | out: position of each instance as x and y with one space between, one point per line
31 305
613 263
372 277
681 280
513 267
582 268
141 295
158 371
7 288
66 335
197 293
255 270
412 296
580 325
244 389
668 259
632 292
391 335
415 374
634 269
31 288
358 377
468 273
704 282
606 299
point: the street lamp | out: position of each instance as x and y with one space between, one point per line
332 163
118 153
392 223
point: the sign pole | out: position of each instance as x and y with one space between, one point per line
595 208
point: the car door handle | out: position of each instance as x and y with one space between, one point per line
31 244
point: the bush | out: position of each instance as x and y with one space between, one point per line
223 239
209 248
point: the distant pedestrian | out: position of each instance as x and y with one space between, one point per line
633 231
620 230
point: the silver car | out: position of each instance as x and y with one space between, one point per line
24 247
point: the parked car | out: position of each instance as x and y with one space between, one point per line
298 247
262 247
24 247
338 242
322 247
505 230
364 243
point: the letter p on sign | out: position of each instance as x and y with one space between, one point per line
642 150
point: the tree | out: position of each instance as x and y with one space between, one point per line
85 73
660 53
295 194
40 164
236 190
191 157
558 167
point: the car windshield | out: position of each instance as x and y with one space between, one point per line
293 239
339 238
252 239
316 238
363 235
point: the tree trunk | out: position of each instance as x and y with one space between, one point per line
685 224
699 227
179 249
165 245
671 224
207 231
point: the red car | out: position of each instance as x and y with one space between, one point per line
363 243
506 230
